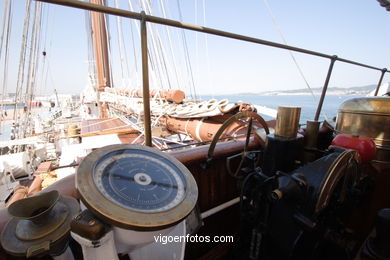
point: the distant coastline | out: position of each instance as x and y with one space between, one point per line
363 90
329 92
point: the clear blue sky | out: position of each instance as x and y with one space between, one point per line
356 30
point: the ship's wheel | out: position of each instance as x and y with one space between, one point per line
248 116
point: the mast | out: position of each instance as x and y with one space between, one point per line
100 46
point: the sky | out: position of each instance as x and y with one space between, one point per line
210 64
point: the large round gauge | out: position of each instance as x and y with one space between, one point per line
139 180
136 187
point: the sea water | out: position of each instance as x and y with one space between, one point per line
307 103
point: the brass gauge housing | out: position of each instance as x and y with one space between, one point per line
136 187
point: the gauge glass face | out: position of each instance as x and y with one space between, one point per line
140 181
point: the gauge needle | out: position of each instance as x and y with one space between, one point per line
123 189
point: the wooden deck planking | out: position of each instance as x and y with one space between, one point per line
101 125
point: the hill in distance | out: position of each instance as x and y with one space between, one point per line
362 90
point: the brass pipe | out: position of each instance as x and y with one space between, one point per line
311 138
145 79
287 122
311 133
197 28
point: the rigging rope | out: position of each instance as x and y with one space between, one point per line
52 15
122 47
152 65
88 29
159 48
106 23
153 50
290 52
33 64
133 42
35 53
188 60
164 59
119 38
209 74
7 41
6 3
177 36
22 59
45 24
170 46
135 57
196 39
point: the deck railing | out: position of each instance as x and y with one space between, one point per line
144 18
